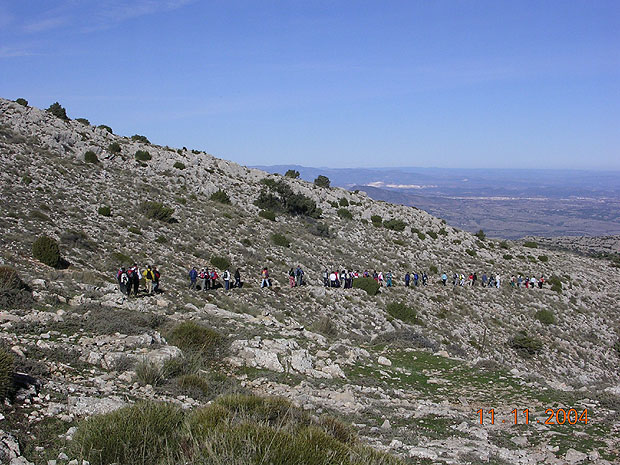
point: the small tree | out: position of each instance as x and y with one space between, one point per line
83 121
58 111
178 165
280 239
345 214
220 196
139 138
91 157
22 101
114 147
142 155
368 284
377 221
46 250
105 210
294 174
322 181
156 211
105 128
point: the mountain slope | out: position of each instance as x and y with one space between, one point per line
411 384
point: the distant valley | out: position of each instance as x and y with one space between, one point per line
508 204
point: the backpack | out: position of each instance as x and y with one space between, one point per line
124 278
149 275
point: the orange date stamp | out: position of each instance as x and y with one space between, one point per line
558 416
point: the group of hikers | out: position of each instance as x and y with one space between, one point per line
129 279
208 279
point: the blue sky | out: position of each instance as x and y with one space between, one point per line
490 84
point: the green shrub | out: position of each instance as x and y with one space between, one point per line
114 147
161 239
192 383
402 312
58 111
433 269
139 138
105 210
294 174
22 101
344 214
91 157
281 198
45 249
105 128
142 155
246 242
442 232
504 245
421 235
220 196
368 284
543 258
6 373
480 235
395 225
456 241
121 258
156 211
134 230
280 239
192 337
343 202
507 256
471 253
148 372
333 203
376 220
432 234
267 214
556 284
531 244
526 345
221 263
14 293
144 433
322 181
83 121
318 229
545 316
178 165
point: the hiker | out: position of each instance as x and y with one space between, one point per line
519 281
299 274
291 277
416 277
326 278
497 280
541 281
407 279
135 279
444 278
214 277
238 278
265 278
203 276
388 279
123 280
424 279
455 279
156 276
149 277
193 275
348 280
333 279
474 279
226 277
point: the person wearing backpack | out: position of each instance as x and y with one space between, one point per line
214 277
265 278
444 278
299 274
291 277
326 278
123 280
388 279
135 278
226 278
238 279
407 279
149 277
156 276
193 276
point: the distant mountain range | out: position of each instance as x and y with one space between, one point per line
504 203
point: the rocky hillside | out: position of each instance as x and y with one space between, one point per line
408 368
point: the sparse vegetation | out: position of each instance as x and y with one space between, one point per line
432 234
344 214
395 225
105 210
267 214
280 198
22 101
142 155
322 181
368 284
318 229
543 258
526 345
280 239
556 284
293 174
507 256
402 312
470 252
343 202
58 111
83 121
139 138
91 157
6 373
114 148
13 291
530 244
221 263
105 128
221 197
178 165
194 338
480 235
148 372
156 211
46 250
376 220
545 317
